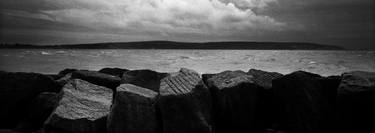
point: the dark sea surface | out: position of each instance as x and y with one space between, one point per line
51 61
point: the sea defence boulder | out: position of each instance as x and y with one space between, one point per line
39 110
184 103
133 110
356 102
17 90
114 71
97 78
305 105
83 108
235 100
263 78
144 78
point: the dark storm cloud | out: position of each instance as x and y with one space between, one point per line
348 23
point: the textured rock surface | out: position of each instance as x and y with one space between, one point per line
17 90
39 110
235 101
263 78
356 102
83 108
185 103
133 110
114 71
98 78
304 103
145 78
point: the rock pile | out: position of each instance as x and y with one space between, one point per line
115 100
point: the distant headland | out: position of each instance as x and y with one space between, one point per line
235 45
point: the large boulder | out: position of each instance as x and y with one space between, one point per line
83 108
133 110
66 71
144 78
114 71
184 103
263 78
235 98
356 102
304 102
39 110
97 78
17 90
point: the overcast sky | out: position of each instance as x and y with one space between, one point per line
347 23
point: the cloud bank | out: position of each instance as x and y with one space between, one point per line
165 17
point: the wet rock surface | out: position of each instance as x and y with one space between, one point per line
83 108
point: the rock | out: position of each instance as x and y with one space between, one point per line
144 78
114 71
356 102
39 110
97 78
66 71
185 103
235 98
17 90
8 131
304 103
83 108
263 78
133 110
205 77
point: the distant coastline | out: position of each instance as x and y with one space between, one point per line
235 45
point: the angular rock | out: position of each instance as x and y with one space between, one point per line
17 90
304 103
235 98
114 71
263 78
39 110
144 78
185 103
133 110
83 108
356 102
97 78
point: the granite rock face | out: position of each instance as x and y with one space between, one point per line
304 103
133 110
39 110
83 108
17 90
97 78
235 100
114 71
144 78
356 102
184 103
263 78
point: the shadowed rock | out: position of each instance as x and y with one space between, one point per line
185 103
66 71
39 110
144 78
83 108
17 90
304 103
133 110
235 98
114 71
263 78
97 78
356 102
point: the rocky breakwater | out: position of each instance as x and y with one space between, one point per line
115 100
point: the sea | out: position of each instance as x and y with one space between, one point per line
51 61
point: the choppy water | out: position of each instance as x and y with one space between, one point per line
203 61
